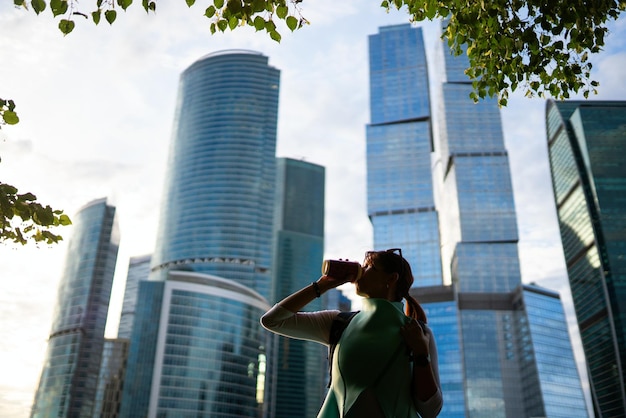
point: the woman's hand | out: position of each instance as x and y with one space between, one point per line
415 337
327 282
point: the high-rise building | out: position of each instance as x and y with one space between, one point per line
509 366
217 210
586 144
489 343
138 270
67 387
297 371
400 199
545 350
111 378
196 349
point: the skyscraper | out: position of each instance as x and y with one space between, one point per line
509 366
138 270
400 200
196 342
68 382
196 348
297 366
111 378
489 343
217 210
586 144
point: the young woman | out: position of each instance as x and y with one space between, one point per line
385 363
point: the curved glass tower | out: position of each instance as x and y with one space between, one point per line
217 210
196 352
586 148
67 387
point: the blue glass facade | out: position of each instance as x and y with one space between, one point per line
111 378
297 374
586 145
67 387
217 210
138 270
400 195
204 357
440 305
551 354
494 360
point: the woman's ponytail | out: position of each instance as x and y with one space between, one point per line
414 309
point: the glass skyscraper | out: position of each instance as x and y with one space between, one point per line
111 378
400 200
195 350
217 210
489 343
138 270
586 144
297 367
67 387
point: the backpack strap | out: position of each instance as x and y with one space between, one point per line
339 324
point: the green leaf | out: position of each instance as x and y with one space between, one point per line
96 16
190 2
233 21
66 26
110 16
210 11
258 5
10 117
234 6
58 7
259 23
275 36
218 4
38 5
65 220
124 4
222 24
292 23
281 11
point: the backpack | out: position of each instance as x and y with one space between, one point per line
339 324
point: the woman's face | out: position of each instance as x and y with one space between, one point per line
374 280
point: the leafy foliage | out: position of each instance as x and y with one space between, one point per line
7 113
36 219
538 45
541 46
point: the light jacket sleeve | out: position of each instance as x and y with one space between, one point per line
312 326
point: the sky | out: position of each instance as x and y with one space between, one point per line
96 110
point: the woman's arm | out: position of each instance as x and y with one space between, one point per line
285 319
304 296
426 391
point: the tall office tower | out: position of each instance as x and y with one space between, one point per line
217 210
297 371
195 349
400 196
111 378
546 350
507 364
138 270
586 144
196 343
67 386
489 345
